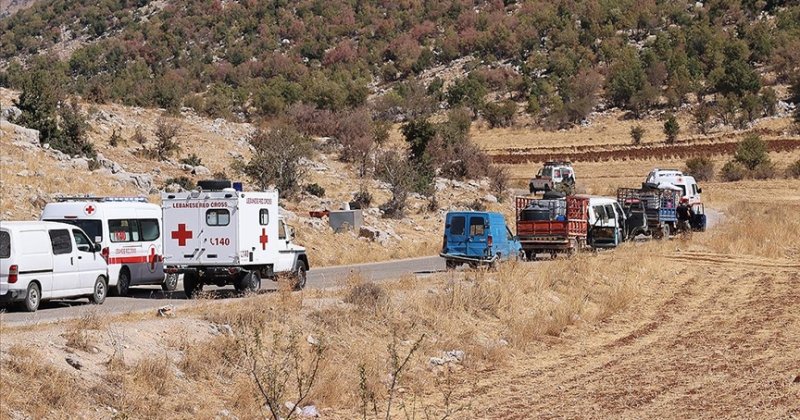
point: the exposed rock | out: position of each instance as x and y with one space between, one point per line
489 198
74 362
10 113
174 188
223 329
166 311
80 163
452 356
201 170
374 234
22 136
39 201
309 411
142 181
24 173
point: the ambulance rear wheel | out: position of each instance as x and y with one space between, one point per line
250 282
300 275
123 282
191 285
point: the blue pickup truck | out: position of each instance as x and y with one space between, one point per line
478 238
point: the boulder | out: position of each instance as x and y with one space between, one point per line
80 163
167 311
374 234
489 198
10 113
142 181
201 170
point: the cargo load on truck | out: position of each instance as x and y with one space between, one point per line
657 207
552 226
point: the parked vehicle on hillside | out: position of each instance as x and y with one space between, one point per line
656 207
225 236
45 260
129 232
687 184
478 238
608 223
551 175
552 226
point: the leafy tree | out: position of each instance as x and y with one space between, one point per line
671 128
500 114
40 97
752 152
739 76
276 159
702 116
467 91
72 139
702 168
418 133
626 77
166 133
769 101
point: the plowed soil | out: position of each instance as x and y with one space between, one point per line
620 152
719 341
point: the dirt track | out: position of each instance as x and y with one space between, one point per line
721 341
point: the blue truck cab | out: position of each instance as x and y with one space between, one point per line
476 238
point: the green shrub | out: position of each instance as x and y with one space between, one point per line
185 182
765 170
637 133
315 190
500 114
671 128
733 171
192 160
752 152
702 168
793 171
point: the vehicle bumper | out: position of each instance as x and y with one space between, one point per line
12 296
466 259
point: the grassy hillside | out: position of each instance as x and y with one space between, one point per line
250 59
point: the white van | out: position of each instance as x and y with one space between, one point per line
129 231
607 223
45 260
687 184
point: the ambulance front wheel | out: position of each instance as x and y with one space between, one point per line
191 285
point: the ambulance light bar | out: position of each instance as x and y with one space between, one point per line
102 199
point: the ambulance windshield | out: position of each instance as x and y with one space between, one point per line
93 228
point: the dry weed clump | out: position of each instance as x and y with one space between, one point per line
42 390
769 231
80 337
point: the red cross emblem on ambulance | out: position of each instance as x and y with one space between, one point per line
182 235
89 209
152 259
263 239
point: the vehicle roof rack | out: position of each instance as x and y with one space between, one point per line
130 199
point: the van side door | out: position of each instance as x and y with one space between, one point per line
88 266
65 265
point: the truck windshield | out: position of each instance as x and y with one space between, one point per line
93 228
547 171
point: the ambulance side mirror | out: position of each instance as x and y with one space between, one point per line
96 247
289 234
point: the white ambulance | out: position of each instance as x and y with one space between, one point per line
129 231
687 184
224 236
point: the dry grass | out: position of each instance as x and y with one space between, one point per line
81 335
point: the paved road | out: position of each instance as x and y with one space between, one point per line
151 297
144 298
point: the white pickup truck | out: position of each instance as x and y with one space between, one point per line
225 236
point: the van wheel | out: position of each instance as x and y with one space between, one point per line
123 283
100 291
32 298
191 285
170 283
300 276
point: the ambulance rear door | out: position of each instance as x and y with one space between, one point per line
182 225
218 233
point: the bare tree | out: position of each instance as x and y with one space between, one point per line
277 159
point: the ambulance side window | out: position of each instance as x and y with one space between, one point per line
281 230
263 217
218 217
124 230
149 229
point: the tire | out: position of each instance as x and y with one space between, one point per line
250 282
99 292
170 283
531 189
191 285
123 283
33 297
300 275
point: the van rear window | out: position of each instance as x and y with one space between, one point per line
477 226
5 245
457 225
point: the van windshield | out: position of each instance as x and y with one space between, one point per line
5 245
93 228
546 171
